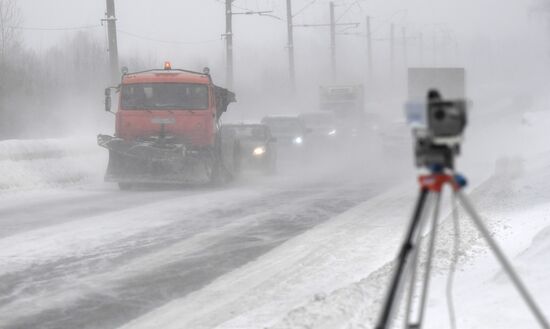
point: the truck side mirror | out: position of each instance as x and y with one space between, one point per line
108 100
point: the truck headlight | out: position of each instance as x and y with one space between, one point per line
298 140
259 151
332 132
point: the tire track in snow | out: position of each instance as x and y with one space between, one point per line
119 283
74 207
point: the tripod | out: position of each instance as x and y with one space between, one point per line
406 270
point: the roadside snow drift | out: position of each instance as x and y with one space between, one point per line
49 163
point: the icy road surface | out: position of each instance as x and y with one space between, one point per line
96 257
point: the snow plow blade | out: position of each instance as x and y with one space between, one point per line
157 160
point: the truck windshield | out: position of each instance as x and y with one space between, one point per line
173 96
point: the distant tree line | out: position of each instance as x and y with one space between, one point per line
42 93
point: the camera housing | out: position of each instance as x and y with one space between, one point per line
446 119
438 127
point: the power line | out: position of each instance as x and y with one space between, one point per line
387 19
248 11
346 11
166 41
304 8
73 28
265 13
243 8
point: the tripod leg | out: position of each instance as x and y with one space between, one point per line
503 261
428 267
454 262
414 261
395 283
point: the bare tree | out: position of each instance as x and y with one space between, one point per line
10 18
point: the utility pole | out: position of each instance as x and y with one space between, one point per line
332 25
229 43
369 50
230 63
332 41
110 18
291 66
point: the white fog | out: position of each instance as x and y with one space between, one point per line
281 164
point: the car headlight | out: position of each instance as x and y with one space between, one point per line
298 140
332 132
259 151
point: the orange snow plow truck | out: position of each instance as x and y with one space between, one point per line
168 130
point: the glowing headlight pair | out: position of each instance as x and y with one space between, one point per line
298 140
259 151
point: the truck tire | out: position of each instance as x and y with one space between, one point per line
228 156
216 169
216 176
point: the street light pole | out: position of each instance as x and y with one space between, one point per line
291 65
229 43
369 50
113 43
332 41
230 63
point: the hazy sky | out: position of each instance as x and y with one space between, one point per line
203 20
481 28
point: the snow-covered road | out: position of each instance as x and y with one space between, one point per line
308 248
90 256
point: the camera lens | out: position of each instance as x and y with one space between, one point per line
439 114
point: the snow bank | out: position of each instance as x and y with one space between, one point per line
49 163
516 207
483 295
335 275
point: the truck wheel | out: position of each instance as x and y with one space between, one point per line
216 174
124 186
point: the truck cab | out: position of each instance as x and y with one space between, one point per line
346 102
173 102
167 127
